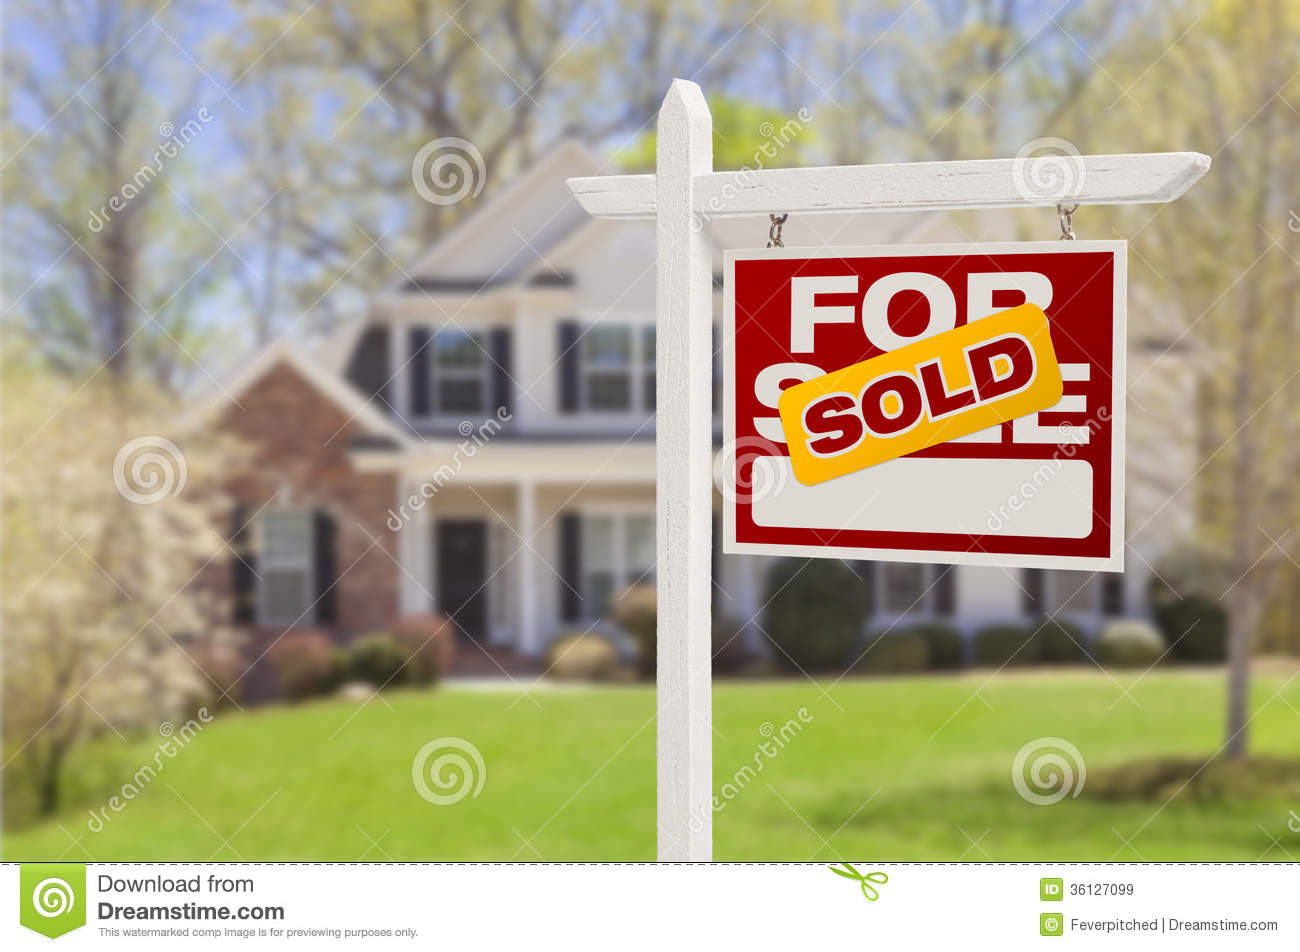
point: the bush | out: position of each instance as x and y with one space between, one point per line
945 643
1059 641
377 659
429 644
1196 627
1007 644
636 612
305 663
895 652
814 612
582 656
730 655
1129 643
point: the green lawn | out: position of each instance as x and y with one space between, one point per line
894 769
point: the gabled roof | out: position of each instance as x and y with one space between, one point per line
511 231
329 383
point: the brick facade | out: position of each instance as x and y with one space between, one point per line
297 442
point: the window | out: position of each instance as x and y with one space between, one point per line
1071 592
618 550
911 588
617 368
903 588
285 565
460 372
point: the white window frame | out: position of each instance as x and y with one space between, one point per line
481 373
924 610
639 365
620 515
1093 594
266 564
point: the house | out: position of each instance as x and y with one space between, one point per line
482 443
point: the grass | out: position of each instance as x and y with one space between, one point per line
888 770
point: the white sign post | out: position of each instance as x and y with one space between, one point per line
683 194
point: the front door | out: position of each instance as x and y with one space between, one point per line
461 558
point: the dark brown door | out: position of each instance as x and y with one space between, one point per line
462 574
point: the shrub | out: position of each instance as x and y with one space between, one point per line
895 652
1058 640
376 658
305 663
582 656
947 649
1196 627
1006 644
636 612
429 644
814 612
730 655
1129 643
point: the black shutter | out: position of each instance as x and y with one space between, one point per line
715 551
421 371
866 571
326 564
945 589
1033 581
502 380
570 566
243 568
368 366
567 360
1112 594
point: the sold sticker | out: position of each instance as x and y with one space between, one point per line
946 386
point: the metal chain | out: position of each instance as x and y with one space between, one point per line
774 232
1067 226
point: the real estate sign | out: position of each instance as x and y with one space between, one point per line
931 403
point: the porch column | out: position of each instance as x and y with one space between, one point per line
526 603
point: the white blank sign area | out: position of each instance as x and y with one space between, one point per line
1001 497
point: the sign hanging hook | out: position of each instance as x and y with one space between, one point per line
774 232
1067 226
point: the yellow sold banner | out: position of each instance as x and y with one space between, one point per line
954 383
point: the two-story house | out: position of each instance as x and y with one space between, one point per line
482 443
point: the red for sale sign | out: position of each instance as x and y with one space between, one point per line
1042 489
